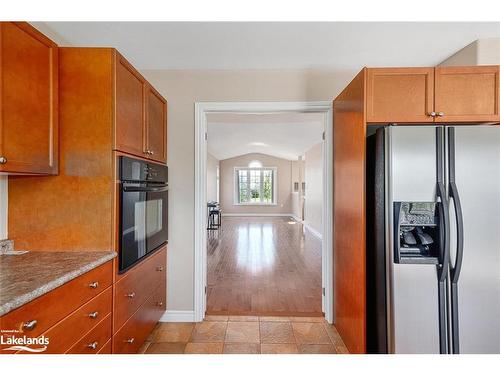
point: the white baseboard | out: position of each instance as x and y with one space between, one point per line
257 215
178 316
312 230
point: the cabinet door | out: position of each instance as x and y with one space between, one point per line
466 94
156 120
129 110
28 100
400 95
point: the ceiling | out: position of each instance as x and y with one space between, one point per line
274 45
283 135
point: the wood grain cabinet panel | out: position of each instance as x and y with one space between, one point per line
28 100
70 330
399 95
57 304
129 111
95 340
134 332
135 287
467 94
156 125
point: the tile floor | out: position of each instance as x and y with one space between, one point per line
246 335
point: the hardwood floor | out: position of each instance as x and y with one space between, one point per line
263 266
246 335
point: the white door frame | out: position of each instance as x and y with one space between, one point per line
200 224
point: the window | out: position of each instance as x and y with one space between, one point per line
255 186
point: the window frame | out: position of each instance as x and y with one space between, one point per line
236 187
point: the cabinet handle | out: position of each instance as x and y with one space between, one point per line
160 304
159 268
151 152
93 345
3 160
433 114
94 314
130 295
30 326
130 341
94 285
440 114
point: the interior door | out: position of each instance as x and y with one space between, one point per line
477 176
130 115
156 125
467 94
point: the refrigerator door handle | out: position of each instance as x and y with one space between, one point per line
457 267
445 225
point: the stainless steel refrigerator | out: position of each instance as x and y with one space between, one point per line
433 239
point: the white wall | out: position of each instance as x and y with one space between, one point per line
3 207
313 204
212 166
283 187
183 88
479 52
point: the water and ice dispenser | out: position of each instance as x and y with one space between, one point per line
416 232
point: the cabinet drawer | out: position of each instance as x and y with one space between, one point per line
134 332
68 331
47 310
95 340
135 287
106 348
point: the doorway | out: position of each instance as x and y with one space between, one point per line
202 113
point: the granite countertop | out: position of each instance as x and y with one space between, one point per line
27 276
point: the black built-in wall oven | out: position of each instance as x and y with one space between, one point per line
143 209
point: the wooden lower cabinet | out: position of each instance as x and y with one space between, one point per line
129 338
94 341
68 315
134 288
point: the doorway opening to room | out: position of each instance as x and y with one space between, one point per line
263 209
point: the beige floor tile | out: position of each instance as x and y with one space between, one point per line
317 349
166 348
247 332
144 347
243 318
307 319
204 348
209 332
241 348
173 332
274 319
276 333
279 349
216 318
310 333
335 338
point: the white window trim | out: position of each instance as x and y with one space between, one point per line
236 187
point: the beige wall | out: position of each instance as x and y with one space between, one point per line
212 165
479 52
283 187
313 173
183 88
3 207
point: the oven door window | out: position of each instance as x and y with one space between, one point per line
143 222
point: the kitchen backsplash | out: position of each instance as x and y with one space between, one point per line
3 207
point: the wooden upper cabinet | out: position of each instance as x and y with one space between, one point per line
399 95
140 114
156 125
467 94
28 100
129 110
